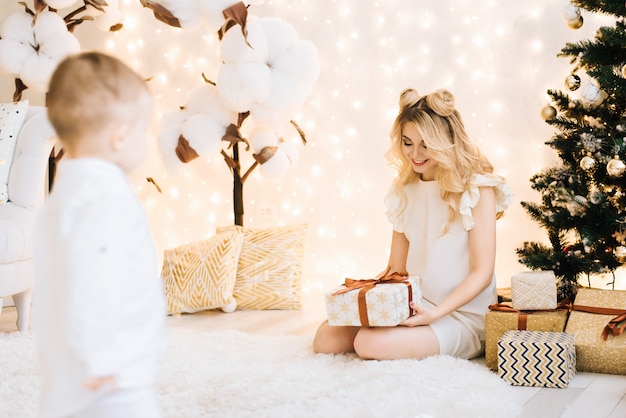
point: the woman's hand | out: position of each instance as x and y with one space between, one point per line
422 316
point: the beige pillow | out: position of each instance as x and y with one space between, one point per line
201 275
269 273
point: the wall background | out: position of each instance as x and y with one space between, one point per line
497 57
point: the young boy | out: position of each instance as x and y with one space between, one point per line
99 309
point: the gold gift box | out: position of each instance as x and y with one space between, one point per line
593 352
498 322
381 305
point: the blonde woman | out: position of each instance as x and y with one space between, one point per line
443 206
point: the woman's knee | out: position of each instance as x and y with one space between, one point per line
333 340
367 343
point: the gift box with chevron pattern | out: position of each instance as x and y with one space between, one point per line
537 358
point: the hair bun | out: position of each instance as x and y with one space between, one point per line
408 98
441 102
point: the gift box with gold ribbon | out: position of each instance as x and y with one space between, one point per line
380 302
503 317
597 321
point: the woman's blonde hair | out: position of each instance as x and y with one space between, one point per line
441 128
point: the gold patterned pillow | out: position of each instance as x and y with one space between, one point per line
269 273
201 275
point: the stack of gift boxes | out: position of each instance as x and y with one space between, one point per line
535 342
532 341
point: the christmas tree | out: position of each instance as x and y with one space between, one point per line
583 197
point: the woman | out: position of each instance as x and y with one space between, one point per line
443 206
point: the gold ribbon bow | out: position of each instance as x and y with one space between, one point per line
522 318
367 284
615 326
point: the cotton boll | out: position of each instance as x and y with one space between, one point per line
18 26
280 36
59 45
112 17
37 71
211 12
234 48
277 166
286 97
186 11
13 55
59 4
261 137
205 99
168 141
204 134
301 63
242 85
174 118
47 25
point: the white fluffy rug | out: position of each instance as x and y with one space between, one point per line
233 374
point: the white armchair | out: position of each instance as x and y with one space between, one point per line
27 189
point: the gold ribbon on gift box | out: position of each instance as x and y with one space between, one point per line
367 284
522 318
615 326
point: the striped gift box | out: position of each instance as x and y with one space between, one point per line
537 358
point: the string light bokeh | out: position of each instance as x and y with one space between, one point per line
497 57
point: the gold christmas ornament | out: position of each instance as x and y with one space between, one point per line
572 82
624 70
616 167
587 163
576 24
620 253
548 112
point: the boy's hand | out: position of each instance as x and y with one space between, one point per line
96 383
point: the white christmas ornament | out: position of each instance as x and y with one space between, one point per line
30 50
591 95
570 13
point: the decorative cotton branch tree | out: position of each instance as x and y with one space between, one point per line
34 41
583 205
265 75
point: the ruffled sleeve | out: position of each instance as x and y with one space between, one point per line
392 201
470 197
